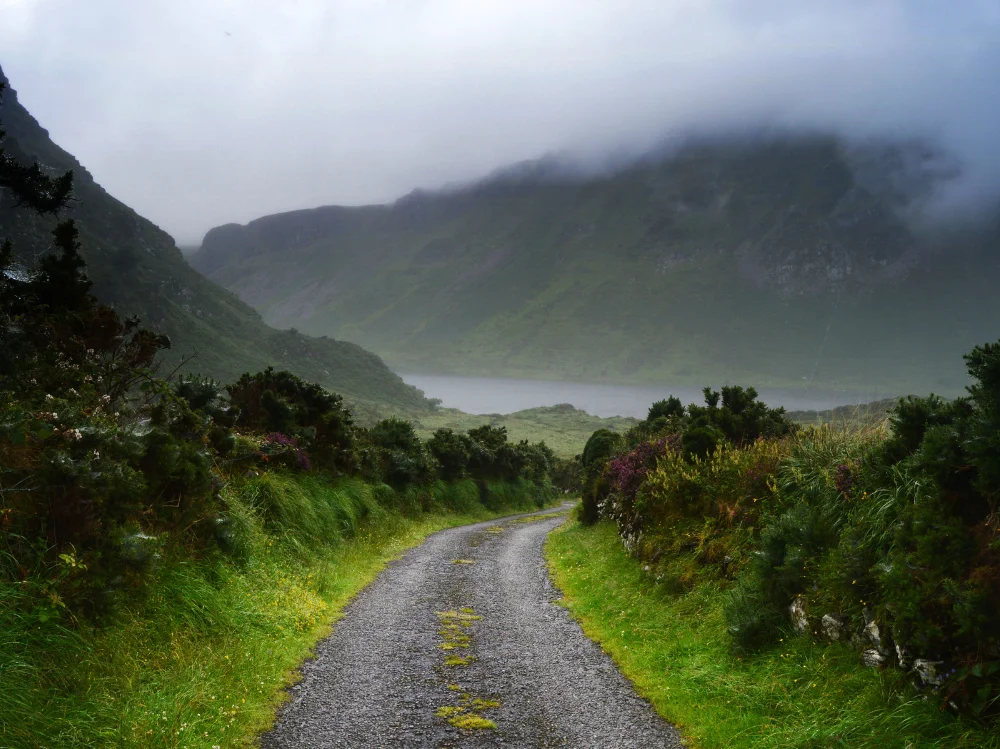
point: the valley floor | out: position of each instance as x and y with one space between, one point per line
563 428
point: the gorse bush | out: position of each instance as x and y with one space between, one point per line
884 535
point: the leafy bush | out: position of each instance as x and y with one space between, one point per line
883 535
594 488
452 452
398 456
895 536
282 402
602 445
491 455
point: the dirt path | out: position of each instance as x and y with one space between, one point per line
459 644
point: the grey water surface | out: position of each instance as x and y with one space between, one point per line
487 395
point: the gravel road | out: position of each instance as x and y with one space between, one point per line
459 644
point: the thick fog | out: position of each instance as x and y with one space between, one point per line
200 112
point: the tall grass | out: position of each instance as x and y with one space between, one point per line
198 657
674 646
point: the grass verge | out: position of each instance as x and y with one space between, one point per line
200 659
675 649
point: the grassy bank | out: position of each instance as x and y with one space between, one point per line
676 650
198 655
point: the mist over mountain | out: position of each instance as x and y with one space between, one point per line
778 259
256 110
137 268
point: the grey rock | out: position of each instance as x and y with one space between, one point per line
832 627
903 656
800 617
927 670
872 630
872 658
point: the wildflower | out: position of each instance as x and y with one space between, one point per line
49 398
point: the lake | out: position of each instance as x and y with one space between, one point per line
486 395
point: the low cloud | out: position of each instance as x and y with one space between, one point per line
202 112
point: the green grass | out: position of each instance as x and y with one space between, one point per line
563 428
675 648
202 658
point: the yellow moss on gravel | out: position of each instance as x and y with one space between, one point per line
466 715
472 722
467 615
544 516
480 704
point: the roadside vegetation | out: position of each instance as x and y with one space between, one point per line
171 547
675 648
745 540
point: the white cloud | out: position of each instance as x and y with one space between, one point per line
200 112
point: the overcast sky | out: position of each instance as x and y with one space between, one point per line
202 112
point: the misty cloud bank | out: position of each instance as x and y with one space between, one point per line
201 112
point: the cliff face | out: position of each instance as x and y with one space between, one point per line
138 268
787 261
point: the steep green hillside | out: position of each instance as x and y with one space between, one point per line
137 268
780 262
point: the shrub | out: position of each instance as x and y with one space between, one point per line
492 456
601 445
281 402
399 457
594 488
896 531
452 452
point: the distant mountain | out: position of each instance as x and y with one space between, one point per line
773 261
138 269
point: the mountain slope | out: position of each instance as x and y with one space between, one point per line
137 268
781 261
